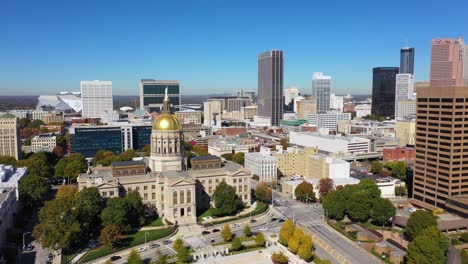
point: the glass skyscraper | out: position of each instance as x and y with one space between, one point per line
407 60
383 91
152 94
270 85
321 91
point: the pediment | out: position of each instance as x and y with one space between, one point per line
182 183
107 185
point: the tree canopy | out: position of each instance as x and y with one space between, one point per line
398 169
286 231
226 200
263 192
325 186
305 192
226 233
134 257
377 167
110 235
125 212
429 246
418 221
279 258
382 211
238 158
260 239
33 189
335 205
7 160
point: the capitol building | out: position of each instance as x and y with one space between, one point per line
163 180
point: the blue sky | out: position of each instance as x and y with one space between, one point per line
211 46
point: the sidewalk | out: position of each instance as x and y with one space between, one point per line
245 211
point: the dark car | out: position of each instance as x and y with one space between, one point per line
166 242
274 219
212 240
205 232
154 245
253 220
281 220
114 258
215 230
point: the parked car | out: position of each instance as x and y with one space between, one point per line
212 240
205 232
166 242
114 258
142 249
263 229
215 230
281 220
154 245
253 220
274 219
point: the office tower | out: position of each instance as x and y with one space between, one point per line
152 94
465 65
212 111
336 102
321 91
407 60
404 89
290 94
10 141
96 99
406 108
248 94
440 171
447 62
383 91
305 107
235 104
270 85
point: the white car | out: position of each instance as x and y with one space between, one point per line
142 249
263 229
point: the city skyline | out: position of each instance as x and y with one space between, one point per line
191 42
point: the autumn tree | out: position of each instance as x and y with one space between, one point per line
238 158
325 186
296 240
286 232
247 231
263 192
226 233
134 257
279 258
236 244
305 249
305 192
260 239
110 235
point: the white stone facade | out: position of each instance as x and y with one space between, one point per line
262 164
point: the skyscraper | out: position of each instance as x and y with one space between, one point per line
465 65
383 91
152 94
447 62
96 99
321 91
407 60
404 89
290 94
440 171
270 85
10 140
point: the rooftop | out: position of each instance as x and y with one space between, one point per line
128 163
210 157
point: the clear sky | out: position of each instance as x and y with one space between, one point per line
211 46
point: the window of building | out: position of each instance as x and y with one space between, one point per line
217 180
209 181
111 193
189 196
129 189
137 188
189 211
153 187
174 198
153 196
145 187
235 180
145 196
210 190
104 193
182 198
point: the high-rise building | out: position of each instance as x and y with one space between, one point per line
96 99
407 60
440 171
212 111
152 94
383 91
235 104
248 94
270 85
10 141
336 102
404 89
305 107
321 91
447 62
465 65
290 94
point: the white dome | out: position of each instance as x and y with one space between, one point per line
126 108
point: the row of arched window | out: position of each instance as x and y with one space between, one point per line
179 197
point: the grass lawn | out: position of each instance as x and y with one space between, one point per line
207 213
261 207
157 222
130 240
68 258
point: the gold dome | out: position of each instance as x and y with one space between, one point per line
167 121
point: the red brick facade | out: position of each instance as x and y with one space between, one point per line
398 153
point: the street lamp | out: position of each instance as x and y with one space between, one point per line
24 244
145 237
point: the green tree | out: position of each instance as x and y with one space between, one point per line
305 249
238 158
60 168
147 152
108 261
400 190
183 256
334 204
226 200
430 246
115 212
136 212
286 231
178 244
398 169
110 235
263 192
227 156
32 189
305 192
359 206
260 239
376 167
35 124
279 258
371 188
418 221
134 257
226 233
89 205
74 168
38 164
247 231
382 211
7 160
236 244
162 259
24 122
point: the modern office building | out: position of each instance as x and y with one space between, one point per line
270 85
404 89
262 164
212 111
405 132
465 65
336 102
440 171
328 120
407 60
305 107
248 94
152 94
329 143
363 110
289 94
96 100
235 104
406 108
383 91
447 62
321 91
117 138
10 140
